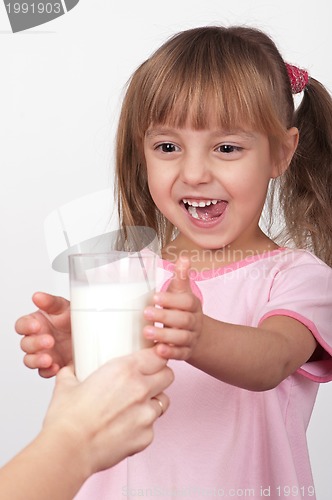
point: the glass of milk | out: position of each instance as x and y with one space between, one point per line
108 293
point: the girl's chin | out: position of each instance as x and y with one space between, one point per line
191 241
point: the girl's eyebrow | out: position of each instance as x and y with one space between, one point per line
150 133
244 134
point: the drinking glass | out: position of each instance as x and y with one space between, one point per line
108 293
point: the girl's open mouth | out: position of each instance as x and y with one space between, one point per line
205 210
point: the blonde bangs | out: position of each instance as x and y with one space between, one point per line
207 83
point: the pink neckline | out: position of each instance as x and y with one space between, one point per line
227 268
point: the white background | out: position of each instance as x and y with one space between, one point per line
60 89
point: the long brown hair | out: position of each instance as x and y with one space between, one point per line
237 77
304 193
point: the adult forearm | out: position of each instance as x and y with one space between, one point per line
50 467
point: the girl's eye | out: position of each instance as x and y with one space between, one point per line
167 147
228 148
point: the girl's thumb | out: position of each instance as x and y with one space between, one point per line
181 282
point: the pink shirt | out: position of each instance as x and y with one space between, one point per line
220 441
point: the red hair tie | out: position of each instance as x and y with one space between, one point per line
298 78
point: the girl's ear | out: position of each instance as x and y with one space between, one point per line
287 151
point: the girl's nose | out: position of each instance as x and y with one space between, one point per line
195 171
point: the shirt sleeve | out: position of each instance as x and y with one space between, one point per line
302 290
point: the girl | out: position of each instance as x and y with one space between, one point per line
207 124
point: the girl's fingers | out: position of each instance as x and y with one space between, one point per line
171 317
40 361
32 344
177 337
27 325
50 304
183 301
172 352
49 372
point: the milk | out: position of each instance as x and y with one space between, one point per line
107 321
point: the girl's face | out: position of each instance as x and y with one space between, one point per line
211 184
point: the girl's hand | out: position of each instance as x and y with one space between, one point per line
47 335
180 313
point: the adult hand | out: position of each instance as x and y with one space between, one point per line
111 413
90 426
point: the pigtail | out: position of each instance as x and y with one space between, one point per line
306 187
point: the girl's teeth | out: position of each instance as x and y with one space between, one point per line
193 212
200 204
